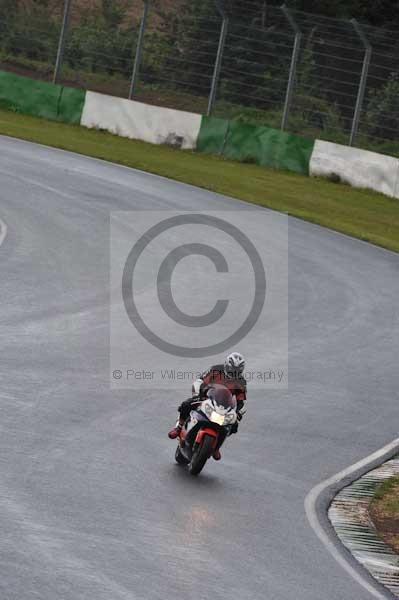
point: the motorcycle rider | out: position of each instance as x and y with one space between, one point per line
229 374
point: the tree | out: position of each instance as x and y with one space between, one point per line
252 61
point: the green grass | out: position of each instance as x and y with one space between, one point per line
359 213
384 511
387 494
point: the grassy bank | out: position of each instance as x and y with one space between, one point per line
384 511
359 213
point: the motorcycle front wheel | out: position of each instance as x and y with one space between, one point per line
179 458
201 455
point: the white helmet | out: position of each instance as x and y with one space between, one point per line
234 365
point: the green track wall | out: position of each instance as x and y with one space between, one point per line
232 139
41 99
250 143
212 135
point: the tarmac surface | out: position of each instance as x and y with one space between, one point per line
92 505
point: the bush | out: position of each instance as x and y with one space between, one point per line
32 34
382 117
95 46
316 116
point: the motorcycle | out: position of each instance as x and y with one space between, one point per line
207 427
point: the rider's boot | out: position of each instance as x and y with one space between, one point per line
217 455
175 432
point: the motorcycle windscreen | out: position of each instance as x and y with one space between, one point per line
222 397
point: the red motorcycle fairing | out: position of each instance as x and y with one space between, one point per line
207 431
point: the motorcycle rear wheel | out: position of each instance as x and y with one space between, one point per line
201 455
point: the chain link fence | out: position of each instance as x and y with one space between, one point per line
316 76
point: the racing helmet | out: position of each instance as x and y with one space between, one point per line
234 365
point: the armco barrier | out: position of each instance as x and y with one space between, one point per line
212 135
359 168
70 105
38 98
232 139
141 121
268 147
250 143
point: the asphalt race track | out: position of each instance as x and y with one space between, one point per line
92 506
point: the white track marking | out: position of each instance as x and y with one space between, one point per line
311 513
3 231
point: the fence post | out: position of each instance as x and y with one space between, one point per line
219 57
139 50
293 67
61 41
363 80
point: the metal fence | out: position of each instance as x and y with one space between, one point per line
304 73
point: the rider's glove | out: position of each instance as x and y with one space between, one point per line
203 390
